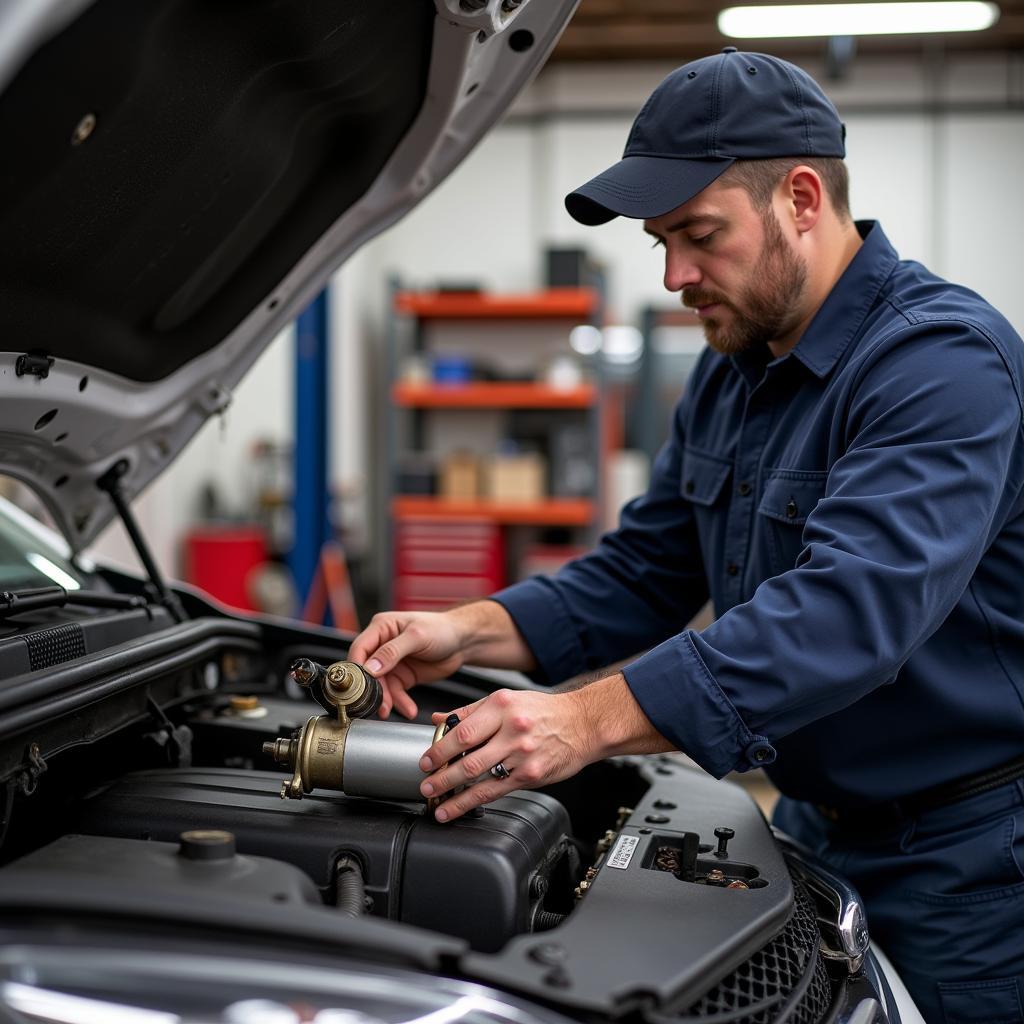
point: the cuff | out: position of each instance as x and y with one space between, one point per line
541 616
687 706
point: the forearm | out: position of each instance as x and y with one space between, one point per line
489 637
617 723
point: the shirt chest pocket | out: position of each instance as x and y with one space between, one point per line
704 486
704 477
788 498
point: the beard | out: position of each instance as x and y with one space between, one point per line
768 307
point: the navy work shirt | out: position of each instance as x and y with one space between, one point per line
854 510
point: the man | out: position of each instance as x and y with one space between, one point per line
844 478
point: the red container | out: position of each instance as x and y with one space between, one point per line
220 559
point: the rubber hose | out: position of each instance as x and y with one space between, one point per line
349 889
545 920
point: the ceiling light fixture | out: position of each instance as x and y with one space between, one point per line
862 19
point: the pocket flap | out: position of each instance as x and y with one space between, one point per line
970 1002
790 496
704 477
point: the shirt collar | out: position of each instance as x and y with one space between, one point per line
843 312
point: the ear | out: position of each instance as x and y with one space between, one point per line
803 195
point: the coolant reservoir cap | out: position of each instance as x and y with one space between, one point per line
207 844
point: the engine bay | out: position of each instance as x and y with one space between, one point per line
639 885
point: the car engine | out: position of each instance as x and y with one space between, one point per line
641 886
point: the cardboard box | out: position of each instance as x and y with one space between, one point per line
516 478
460 477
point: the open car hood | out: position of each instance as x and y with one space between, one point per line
181 177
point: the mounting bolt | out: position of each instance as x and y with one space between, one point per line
723 835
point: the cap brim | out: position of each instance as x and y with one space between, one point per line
642 187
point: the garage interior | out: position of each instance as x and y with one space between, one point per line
482 387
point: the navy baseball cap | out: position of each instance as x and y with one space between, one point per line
705 116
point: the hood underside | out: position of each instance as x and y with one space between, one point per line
180 177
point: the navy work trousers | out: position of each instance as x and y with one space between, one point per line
944 894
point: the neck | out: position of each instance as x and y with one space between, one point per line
826 263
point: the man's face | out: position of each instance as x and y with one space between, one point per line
734 266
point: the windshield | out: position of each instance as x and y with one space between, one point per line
30 554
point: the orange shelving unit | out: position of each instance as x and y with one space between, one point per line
549 512
492 395
435 537
553 303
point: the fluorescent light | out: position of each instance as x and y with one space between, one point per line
868 19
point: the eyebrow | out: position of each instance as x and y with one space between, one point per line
687 222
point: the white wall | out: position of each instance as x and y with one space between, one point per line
934 151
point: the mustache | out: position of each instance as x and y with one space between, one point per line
694 297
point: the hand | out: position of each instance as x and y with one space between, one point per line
405 648
539 737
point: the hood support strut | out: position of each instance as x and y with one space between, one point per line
110 482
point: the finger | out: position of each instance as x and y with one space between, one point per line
473 796
380 629
394 685
477 724
439 716
401 679
408 640
474 767
405 705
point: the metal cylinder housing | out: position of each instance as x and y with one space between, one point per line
382 759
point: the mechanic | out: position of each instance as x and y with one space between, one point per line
844 479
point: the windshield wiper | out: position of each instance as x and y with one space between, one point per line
14 602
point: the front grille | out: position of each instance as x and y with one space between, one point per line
53 646
784 981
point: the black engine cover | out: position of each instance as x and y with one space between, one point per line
487 864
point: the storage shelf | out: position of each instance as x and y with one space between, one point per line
551 304
681 317
492 395
550 512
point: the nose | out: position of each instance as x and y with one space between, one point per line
680 271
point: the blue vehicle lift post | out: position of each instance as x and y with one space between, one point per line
310 497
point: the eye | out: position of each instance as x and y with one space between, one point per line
657 242
704 239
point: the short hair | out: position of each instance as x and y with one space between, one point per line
759 178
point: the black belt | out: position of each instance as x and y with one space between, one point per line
893 812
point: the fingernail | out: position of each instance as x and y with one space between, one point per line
427 789
425 765
373 666
441 815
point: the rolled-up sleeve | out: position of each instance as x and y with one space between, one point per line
641 584
925 479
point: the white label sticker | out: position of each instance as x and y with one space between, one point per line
623 852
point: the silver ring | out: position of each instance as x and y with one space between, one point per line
499 771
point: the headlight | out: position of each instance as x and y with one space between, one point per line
48 985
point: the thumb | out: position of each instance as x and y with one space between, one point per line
388 655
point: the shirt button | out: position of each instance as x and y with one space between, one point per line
761 752
744 489
791 509
689 487
732 569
